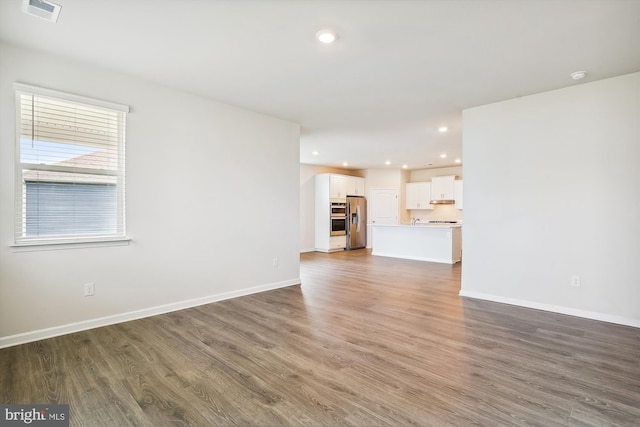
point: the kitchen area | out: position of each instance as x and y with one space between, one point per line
422 221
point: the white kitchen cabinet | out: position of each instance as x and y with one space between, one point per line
457 193
337 186
442 188
417 195
337 242
423 243
341 186
355 186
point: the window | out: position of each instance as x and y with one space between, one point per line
70 168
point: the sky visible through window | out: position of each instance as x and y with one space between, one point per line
50 153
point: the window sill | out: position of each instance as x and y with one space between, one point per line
69 244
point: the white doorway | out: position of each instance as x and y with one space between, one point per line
383 209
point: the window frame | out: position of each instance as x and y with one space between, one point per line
21 241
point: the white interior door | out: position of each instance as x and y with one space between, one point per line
383 204
383 209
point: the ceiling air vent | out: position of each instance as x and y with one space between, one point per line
42 9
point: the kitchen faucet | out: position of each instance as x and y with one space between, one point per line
413 220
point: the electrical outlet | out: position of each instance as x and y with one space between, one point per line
575 281
89 289
275 262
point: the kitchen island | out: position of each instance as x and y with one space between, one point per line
423 242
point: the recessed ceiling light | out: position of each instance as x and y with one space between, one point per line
443 156
577 75
458 160
315 153
388 162
405 166
326 36
345 164
443 129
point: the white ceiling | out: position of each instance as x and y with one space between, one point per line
399 70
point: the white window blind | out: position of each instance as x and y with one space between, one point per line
70 167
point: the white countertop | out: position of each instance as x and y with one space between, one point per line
419 225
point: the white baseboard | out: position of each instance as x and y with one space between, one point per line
593 315
415 258
55 331
307 250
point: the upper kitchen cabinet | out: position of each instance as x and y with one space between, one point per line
355 186
457 193
418 195
442 189
337 186
341 186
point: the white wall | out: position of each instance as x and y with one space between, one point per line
438 213
307 200
552 190
211 191
421 175
385 178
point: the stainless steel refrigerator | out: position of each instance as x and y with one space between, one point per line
356 222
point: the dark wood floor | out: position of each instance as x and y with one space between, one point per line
364 341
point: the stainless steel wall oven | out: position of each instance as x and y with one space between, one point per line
338 218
